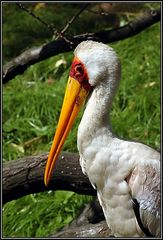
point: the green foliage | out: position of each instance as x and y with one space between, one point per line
32 103
136 109
38 215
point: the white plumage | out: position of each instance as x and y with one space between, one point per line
108 160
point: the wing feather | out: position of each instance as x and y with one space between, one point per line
144 182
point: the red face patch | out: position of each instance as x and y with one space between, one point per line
79 73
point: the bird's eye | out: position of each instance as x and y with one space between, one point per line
79 70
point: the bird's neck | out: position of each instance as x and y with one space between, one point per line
95 120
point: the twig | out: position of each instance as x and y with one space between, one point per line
72 20
54 31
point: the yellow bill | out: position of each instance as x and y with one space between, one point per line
74 98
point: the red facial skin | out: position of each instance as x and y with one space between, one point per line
79 73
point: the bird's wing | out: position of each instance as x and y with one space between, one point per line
144 182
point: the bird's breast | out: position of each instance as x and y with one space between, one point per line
103 158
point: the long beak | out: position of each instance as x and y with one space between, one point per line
74 97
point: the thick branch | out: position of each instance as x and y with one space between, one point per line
88 230
34 55
24 176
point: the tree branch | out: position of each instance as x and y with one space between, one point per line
24 176
37 54
88 230
50 26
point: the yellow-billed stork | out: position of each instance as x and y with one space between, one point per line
126 174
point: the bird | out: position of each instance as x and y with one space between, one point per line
125 173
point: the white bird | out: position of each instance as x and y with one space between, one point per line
126 174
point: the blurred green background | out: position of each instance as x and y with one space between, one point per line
32 101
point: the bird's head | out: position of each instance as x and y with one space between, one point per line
99 60
94 64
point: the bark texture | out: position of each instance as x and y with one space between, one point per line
24 176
